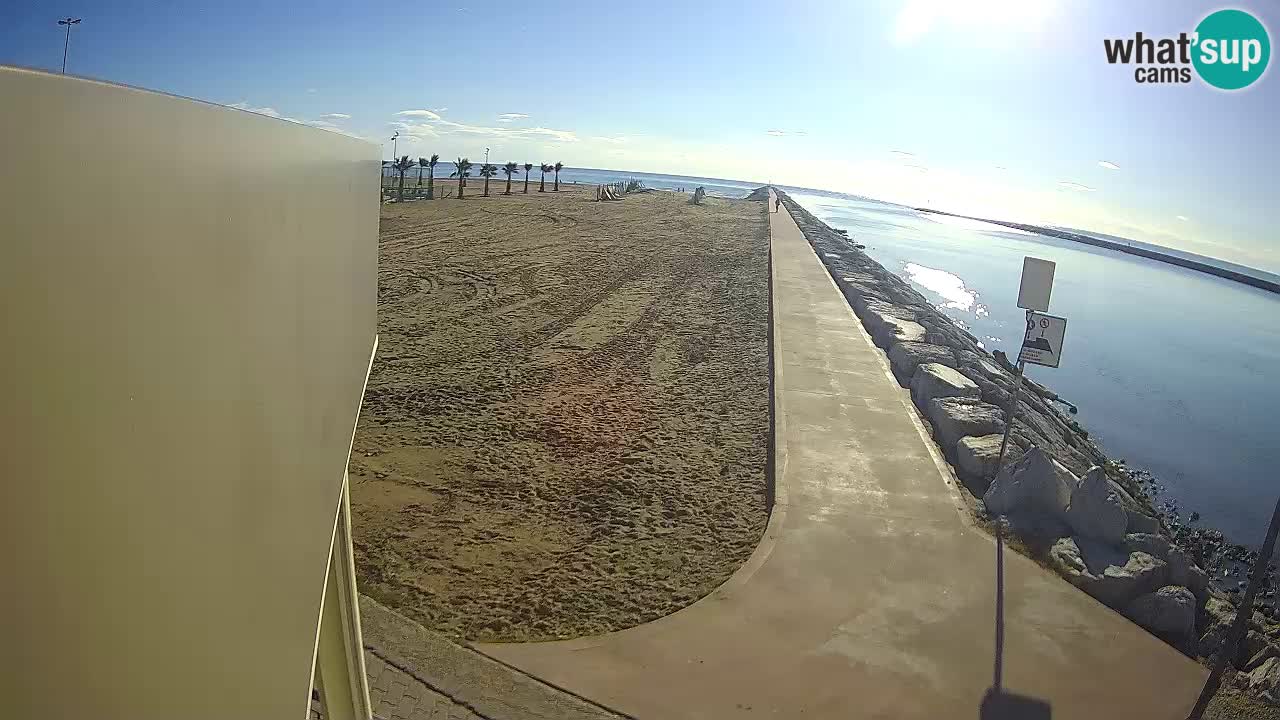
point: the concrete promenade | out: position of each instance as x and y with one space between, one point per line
871 594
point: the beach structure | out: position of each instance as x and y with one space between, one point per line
609 192
188 354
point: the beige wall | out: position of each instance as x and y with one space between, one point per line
186 331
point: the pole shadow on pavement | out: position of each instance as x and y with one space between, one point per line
997 704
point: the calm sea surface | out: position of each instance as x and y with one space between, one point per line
1175 371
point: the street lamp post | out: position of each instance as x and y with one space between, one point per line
486 156
394 138
67 42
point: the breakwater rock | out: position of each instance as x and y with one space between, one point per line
1075 509
940 361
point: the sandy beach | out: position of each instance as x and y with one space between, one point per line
566 426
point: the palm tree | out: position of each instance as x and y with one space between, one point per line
422 162
431 176
487 171
558 167
542 184
527 168
401 166
510 169
462 170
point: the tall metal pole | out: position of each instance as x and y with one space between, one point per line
67 42
1012 413
394 139
1243 612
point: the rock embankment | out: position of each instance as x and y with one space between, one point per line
1080 512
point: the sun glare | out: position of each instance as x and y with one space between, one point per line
918 18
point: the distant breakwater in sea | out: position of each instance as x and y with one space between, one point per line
1260 283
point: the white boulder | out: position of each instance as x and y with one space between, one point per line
1120 584
1219 614
1267 652
1183 571
977 456
1154 545
893 330
905 357
1169 612
935 380
1035 482
956 417
1096 511
1264 681
1140 523
1113 577
1065 557
870 305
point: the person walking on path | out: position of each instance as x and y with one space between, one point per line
777 202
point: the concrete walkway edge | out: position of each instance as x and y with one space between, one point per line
455 675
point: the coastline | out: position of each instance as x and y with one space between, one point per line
1225 273
1158 551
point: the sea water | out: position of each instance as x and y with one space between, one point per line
1175 371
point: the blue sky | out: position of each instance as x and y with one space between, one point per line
1000 108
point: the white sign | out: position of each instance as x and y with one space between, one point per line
1037 284
1042 343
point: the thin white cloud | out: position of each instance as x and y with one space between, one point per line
268 111
921 168
417 130
1108 165
1183 218
511 117
336 116
614 140
786 133
1074 186
323 123
1001 167
432 125
311 91
428 114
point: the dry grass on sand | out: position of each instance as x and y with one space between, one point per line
565 429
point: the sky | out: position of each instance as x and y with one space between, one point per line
996 108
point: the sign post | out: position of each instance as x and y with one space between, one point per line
1036 285
1042 344
1042 340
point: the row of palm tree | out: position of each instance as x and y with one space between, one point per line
462 171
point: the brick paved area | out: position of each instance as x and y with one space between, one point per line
398 695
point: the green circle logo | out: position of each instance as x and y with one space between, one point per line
1232 49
